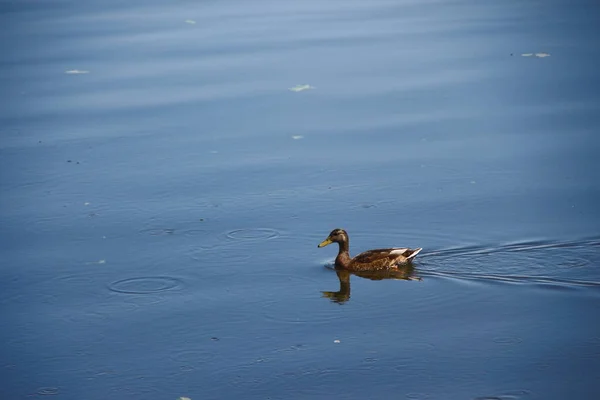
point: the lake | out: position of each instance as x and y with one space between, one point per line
167 169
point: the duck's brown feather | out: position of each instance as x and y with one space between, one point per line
381 259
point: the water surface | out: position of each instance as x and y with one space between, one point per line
163 192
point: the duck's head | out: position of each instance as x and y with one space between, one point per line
337 236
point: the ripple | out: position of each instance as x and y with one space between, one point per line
548 282
274 312
516 394
106 311
193 232
575 262
417 396
47 391
289 349
253 234
146 300
367 205
77 279
526 246
422 346
508 340
158 231
189 358
145 285
511 395
190 232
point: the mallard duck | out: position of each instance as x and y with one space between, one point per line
371 260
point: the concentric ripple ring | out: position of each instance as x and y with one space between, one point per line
145 285
253 234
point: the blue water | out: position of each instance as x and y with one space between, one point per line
162 193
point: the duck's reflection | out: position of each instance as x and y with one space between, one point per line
406 272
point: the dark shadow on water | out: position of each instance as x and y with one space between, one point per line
343 294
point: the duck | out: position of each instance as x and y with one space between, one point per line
371 260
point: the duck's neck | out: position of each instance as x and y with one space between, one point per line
343 257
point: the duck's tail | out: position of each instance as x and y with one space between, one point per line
414 253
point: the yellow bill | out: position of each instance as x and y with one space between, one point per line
325 242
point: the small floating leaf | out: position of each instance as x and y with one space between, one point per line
300 88
96 262
538 55
76 72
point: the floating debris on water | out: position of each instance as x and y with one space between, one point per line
538 55
300 88
76 72
183 398
96 262
297 137
337 341
190 21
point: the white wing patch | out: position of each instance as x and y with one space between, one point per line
413 255
398 251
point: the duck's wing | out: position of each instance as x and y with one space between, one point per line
372 255
381 258
378 258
